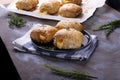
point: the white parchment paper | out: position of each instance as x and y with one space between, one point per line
88 6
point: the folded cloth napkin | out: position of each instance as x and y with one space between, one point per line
24 44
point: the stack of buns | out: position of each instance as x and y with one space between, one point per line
64 36
65 8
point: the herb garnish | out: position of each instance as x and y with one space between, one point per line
70 74
16 21
108 27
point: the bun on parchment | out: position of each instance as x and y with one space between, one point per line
72 1
68 39
26 4
70 10
43 34
50 7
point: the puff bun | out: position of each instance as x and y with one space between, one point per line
69 24
68 39
70 10
72 1
26 4
50 6
43 34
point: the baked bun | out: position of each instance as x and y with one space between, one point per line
70 10
43 34
68 39
69 24
26 4
50 7
72 1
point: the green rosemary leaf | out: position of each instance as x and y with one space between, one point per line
109 30
102 27
107 25
70 74
115 22
16 21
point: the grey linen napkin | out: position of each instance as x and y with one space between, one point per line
24 44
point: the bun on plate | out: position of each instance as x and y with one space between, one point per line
43 34
69 24
68 39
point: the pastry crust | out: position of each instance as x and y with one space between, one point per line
70 10
49 7
68 39
43 34
26 4
69 24
72 1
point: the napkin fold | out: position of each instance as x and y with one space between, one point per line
24 44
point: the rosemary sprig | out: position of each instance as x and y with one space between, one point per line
109 30
70 74
108 27
102 27
16 21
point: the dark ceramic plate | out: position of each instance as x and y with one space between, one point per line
50 48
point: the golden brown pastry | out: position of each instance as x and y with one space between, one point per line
72 1
50 7
70 10
69 24
68 39
26 4
43 34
